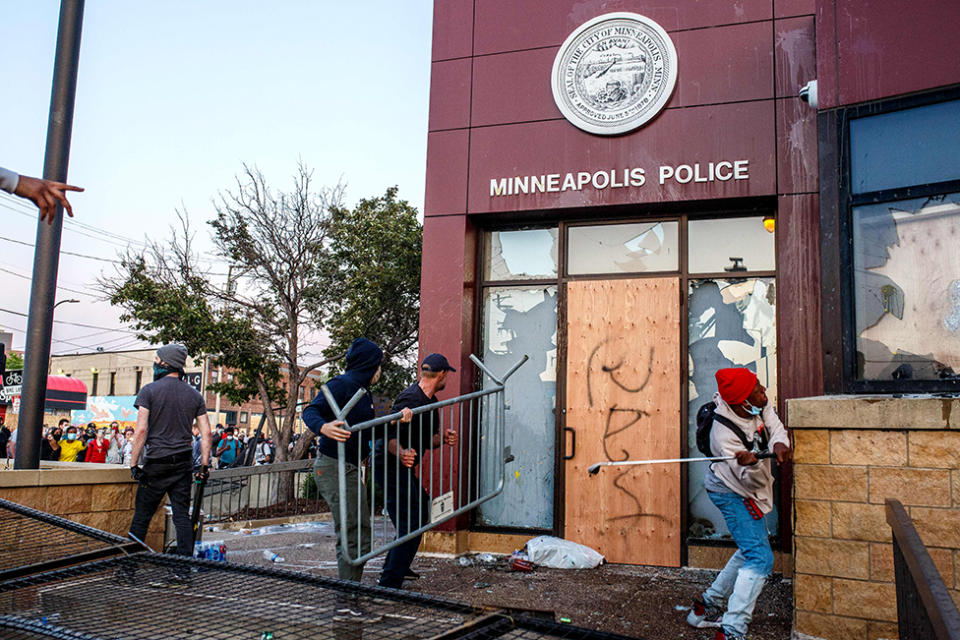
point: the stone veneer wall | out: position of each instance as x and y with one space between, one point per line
851 453
96 495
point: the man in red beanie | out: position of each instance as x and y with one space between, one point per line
743 491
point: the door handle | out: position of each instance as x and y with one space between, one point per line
573 441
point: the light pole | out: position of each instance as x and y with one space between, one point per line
47 249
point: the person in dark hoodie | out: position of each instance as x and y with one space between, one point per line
362 370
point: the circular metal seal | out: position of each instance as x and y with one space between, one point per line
614 73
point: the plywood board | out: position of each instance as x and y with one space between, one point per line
623 401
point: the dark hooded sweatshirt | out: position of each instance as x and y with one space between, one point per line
363 358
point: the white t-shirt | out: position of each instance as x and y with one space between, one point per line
8 180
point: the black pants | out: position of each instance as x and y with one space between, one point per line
408 505
165 478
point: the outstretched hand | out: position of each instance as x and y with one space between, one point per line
45 194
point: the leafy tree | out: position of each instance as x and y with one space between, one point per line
372 273
302 264
258 323
14 361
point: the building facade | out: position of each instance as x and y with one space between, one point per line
636 194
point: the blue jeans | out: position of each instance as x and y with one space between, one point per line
408 505
742 578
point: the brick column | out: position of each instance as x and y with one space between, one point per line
851 453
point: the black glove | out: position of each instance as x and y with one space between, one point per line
137 473
201 474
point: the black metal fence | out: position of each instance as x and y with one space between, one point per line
925 610
151 596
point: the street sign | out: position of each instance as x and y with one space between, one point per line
12 385
195 380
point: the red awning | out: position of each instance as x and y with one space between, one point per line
66 383
64 392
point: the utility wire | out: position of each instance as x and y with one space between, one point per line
75 324
62 288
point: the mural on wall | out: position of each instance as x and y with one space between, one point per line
518 321
732 323
102 410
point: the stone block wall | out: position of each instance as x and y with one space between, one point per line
100 496
851 453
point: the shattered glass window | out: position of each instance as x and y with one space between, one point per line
623 248
518 321
907 289
521 255
716 245
732 323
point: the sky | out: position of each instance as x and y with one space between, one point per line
174 97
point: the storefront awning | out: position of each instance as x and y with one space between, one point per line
64 392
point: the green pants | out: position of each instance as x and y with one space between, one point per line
357 524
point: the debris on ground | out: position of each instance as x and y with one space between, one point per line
557 553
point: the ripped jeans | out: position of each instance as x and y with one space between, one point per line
744 574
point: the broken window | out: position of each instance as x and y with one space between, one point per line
907 289
519 321
731 244
623 248
732 323
520 255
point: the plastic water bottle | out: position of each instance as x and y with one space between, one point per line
271 556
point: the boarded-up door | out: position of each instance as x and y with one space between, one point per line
623 401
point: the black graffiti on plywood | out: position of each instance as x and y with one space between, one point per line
633 417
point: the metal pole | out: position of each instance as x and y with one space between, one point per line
46 256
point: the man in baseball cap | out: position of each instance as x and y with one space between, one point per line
395 458
436 363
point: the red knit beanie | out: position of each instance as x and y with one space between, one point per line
735 385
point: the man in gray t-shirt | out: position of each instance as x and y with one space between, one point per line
167 409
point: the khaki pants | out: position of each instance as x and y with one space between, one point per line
357 525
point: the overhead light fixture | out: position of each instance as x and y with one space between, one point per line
93 370
770 223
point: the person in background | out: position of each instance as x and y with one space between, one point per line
127 446
227 451
47 452
116 440
69 446
43 193
4 439
10 448
97 448
264 451
197 445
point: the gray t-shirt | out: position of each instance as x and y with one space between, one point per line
173 405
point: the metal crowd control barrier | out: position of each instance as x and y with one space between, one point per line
477 418
254 493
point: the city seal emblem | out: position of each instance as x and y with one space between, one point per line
614 73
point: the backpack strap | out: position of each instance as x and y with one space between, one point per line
727 422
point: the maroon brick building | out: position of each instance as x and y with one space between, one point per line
635 194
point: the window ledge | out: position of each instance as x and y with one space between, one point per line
914 411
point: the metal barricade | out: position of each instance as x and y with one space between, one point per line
455 486
266 491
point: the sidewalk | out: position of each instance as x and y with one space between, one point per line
648 602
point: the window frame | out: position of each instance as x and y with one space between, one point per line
838 304
681 213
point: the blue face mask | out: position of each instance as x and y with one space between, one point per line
71 436
752 410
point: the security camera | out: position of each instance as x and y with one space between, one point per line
808 93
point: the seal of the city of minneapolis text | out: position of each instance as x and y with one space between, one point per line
614 73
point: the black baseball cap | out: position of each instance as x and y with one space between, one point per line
436 362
